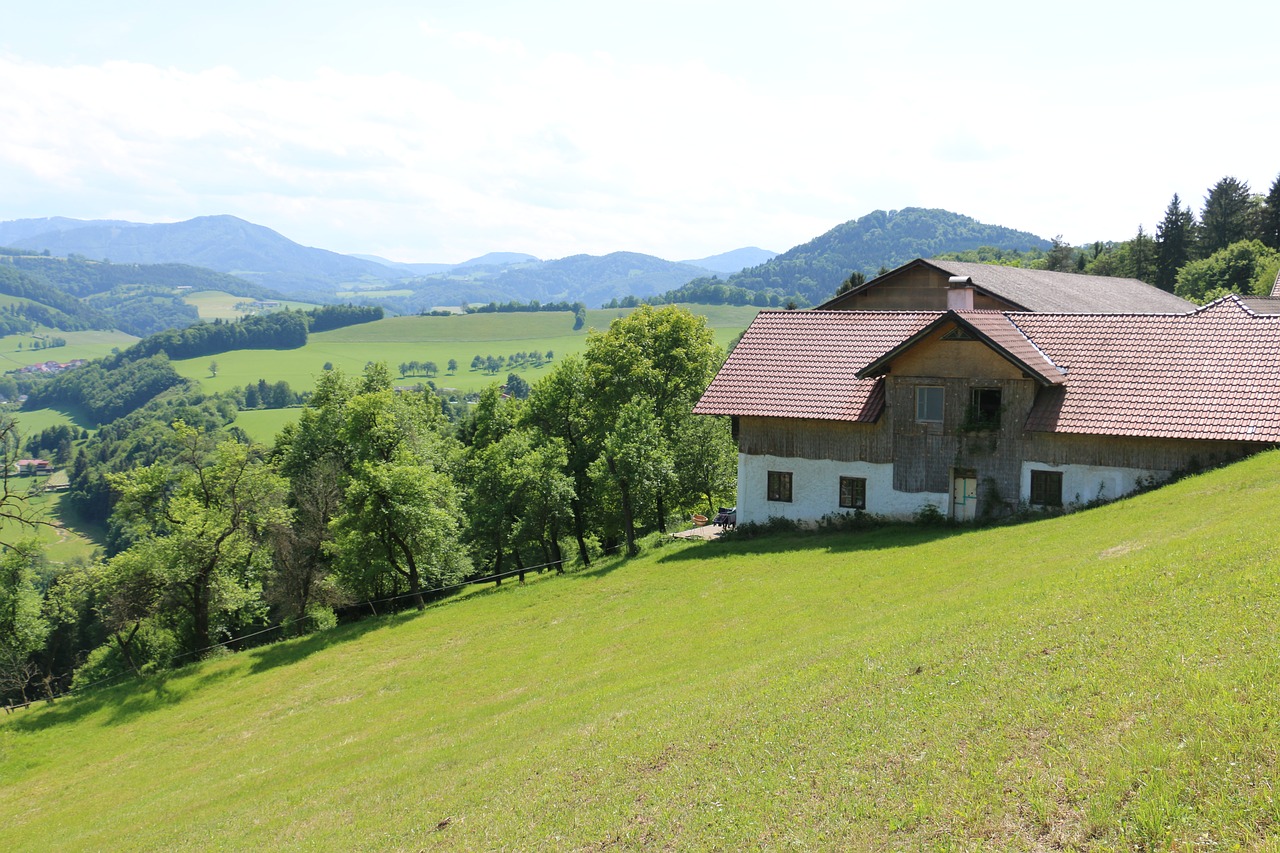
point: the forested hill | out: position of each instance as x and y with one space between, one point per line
811 272
77 293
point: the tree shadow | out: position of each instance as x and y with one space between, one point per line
285 652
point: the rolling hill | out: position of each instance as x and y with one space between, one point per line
1104 680
812 271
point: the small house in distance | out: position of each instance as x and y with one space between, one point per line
923 285
976 411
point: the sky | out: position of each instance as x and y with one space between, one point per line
439 131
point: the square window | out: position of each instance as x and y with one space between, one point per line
929 404
853 492
780 486
1046 488
984 408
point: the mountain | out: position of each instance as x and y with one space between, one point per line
490 259
811 272
223 243
735 261
592 279
17 230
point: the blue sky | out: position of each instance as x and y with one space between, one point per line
442 130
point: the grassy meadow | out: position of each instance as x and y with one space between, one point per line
1100 681
219 305
396 340
16 351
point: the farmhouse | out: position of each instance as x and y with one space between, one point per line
975 411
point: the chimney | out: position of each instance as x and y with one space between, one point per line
960 293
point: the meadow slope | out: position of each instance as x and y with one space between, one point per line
1103 680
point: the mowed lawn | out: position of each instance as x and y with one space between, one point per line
1106 680
398 340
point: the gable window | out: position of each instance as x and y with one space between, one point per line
984 408
853 492
780 486
929 403
1046 488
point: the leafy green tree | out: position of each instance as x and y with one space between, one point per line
559 409
202 527
665 356
636 459
400 519
23 628
453 366
1270 218
1228 215
1060 257
1247 267
1175 242
706 461
854 281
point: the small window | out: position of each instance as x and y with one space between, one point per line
929 404
853 492
780 486
984 408
1046 488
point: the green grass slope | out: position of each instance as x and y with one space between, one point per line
1104 680
396 340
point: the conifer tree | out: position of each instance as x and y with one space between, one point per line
1175 237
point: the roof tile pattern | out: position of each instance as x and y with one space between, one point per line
1214 374
802 364
1001 331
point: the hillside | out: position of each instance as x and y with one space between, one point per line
223 243
1099 681
812 271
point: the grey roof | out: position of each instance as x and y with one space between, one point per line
1067 293
1262 304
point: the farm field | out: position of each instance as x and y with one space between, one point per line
219 305
1104 680
414 338
93 344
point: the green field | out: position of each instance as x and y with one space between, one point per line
219 305
1101 681
36 420
412 338
79 345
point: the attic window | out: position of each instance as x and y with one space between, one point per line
958 334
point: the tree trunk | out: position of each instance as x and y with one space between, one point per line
662 513
579 532
628 518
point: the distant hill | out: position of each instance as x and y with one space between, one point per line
136 298
735 261
223 243
591 279
811 272
490 259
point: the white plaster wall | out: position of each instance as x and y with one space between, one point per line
1084 483
815 489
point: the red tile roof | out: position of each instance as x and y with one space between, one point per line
1211 374
803 364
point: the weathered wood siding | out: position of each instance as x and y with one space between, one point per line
916 289
1157 454
810 439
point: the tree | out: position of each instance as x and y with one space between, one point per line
1270 219
854 281
400 518
202 528
1227 216
23 628
665 356
213 368
636 458
453 366
1246 267
517 387
1060 256
16 514
706 460
1175 239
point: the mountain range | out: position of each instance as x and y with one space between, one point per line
259 255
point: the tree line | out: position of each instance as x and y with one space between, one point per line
1232 246
373 493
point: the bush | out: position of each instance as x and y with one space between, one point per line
859 519
752 529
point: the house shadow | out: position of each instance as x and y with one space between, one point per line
877 538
